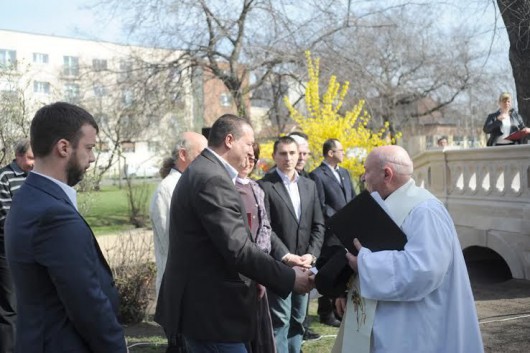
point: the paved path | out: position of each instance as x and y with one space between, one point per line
504 315
134 245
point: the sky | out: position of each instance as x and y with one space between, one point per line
72 18
68 18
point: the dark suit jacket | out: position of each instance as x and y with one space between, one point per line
66 299
206 292
290 235
333 196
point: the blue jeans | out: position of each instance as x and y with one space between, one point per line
195 346
288 321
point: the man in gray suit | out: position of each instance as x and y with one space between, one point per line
298 232
209 288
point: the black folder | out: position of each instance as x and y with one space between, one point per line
364 219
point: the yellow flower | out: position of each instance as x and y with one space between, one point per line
324 120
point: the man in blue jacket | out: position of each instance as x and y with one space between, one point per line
66 299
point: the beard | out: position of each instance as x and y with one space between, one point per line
74 172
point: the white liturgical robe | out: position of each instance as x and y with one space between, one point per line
425 303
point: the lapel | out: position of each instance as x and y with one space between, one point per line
303 189
214 159
346 184
49 187
330 174
277 185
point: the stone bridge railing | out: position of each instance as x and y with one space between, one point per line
487 192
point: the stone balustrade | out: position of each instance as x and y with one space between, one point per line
487 192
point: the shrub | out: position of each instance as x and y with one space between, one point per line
130 259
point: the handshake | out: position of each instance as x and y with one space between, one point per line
305 279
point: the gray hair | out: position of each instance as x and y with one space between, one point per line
22 146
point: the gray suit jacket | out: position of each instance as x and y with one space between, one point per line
206 292
289 234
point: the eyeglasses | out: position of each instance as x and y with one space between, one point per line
341 151
253 160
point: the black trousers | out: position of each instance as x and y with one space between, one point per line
7 304
325 307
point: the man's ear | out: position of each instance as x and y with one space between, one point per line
389 173
229 140
182 154
63 148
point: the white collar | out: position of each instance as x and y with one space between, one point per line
232 172
68 190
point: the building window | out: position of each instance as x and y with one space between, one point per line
41 87
127 146
71 93
127 97
71 65
103 146
99 65
126 67
7 86
8 59
40 58
99 90
153 146
226 99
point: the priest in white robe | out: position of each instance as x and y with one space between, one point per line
421 295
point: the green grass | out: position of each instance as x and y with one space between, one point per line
150 337
328 333
106 211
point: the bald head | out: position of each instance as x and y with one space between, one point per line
189 146
387 168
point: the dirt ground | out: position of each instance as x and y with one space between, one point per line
503 307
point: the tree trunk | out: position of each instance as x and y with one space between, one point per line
516 17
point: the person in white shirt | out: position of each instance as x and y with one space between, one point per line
423 293
189 146
297 225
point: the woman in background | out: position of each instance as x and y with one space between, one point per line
504 122
254 201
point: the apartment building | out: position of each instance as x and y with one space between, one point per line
141 97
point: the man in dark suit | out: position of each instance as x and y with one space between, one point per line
209 288
66 299
335 190
298 231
